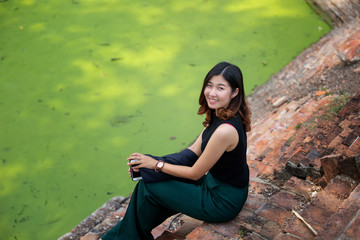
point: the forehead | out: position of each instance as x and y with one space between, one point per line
218 80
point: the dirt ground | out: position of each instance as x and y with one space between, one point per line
343 78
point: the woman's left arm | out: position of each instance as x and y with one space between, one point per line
224 138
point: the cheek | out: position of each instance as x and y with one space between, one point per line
226 96
206 92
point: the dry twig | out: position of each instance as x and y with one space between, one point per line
303 220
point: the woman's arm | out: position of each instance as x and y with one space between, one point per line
225 138
196 146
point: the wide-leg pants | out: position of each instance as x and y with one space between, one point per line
152 203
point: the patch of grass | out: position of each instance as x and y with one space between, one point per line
328 93
339 103
298 126
332 110
290 140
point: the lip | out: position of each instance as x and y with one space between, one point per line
212 101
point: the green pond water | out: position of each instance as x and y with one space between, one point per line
83 84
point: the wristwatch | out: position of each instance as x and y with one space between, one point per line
158 166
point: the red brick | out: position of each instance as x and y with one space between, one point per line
252 164
330 164
298 186
244 213
336 225
341 185
252 223
253 236
253 171
316 214
348 166
188 226
335 142
158 231
285 200
168 236
286 236
266 171
354 149
270 230
274 213
345 123
354 230
262 187
254 201
354 198
345 133
298 228
202 233
228 229
349 50
90 236
327 200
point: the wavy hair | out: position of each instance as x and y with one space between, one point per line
238 105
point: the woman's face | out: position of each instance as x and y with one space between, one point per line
218 92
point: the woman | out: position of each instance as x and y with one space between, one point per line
220 174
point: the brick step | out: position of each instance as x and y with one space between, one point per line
268 146
268 213
345 223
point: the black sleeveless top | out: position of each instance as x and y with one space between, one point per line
231 168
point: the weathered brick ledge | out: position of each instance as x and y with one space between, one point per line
303 154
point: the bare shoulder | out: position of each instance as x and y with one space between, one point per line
225 132
226 129
227 135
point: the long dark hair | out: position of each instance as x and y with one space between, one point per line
238 105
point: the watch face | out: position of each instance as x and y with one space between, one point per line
160 164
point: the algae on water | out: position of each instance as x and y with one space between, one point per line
83 84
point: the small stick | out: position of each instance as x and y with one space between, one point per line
303 220
354 141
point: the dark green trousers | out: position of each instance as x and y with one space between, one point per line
152 203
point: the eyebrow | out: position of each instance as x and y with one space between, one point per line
219 84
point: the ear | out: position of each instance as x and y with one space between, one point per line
235 93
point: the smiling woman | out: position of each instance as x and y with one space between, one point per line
218 92
85 83
214 186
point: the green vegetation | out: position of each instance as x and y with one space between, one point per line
86 83
336 104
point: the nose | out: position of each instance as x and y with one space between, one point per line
212 92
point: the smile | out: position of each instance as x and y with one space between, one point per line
212 101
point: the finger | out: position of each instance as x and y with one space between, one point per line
132 157
136 155
134 163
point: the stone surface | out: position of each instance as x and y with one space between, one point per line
286 200
328 200
330 165
297 228
202 233
350 50
316 214
341 185
354 230
279 102
274 213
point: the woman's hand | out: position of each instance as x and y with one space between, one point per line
129 172
143 161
